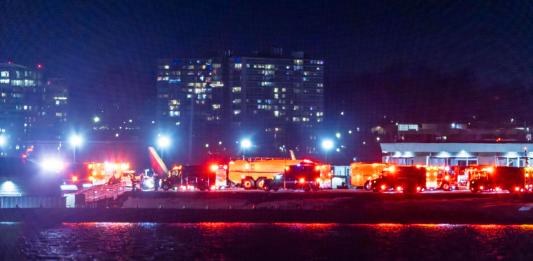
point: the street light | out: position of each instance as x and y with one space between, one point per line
327 145
52 165
3 141
245 144
75 141
163 142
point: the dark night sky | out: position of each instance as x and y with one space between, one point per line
107 49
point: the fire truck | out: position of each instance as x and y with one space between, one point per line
362 174
255 172
440 177
496 178
90 174
408 179
191 177
304 175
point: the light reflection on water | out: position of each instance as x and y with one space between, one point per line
265 241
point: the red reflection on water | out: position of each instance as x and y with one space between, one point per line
307 226
111 225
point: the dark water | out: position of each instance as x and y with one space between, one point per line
126 241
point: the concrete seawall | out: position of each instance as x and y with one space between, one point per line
295 207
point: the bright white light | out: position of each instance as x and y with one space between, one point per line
96 119
3 140
246 144
75 140
8 188
163 142
338 135
327 144
54 165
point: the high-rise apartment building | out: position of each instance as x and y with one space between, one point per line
275 100
21 99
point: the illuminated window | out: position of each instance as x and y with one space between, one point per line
216 106
236 89
167 67
4 74
238 66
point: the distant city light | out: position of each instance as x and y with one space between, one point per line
327 144
3 140
75 140
246 144
338 135
96 119
163 141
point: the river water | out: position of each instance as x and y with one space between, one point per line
153 241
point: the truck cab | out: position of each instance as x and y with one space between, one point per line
304 175
408 179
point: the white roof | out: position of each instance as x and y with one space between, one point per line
456 147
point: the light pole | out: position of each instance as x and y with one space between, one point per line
75 141
245 144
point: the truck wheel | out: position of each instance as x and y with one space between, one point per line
307 188
446 187
247 183
267 185
165 187
260 183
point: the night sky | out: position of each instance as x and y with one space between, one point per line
375 51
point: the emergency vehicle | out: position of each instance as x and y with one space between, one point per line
362 174
408 179
90 174
255 172
304 175
496 178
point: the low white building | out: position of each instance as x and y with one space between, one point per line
461 154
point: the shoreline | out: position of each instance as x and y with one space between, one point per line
257 207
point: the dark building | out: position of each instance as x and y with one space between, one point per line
33 111
21 100
53 117
276 101
190 97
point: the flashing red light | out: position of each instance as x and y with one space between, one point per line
225 167
481 187
516 189
74 178
213 167
301 180
307 161
383 187
399 188
418 188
